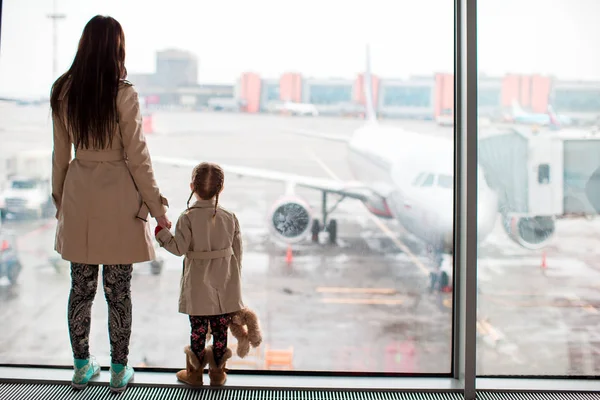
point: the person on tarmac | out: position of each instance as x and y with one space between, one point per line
104 194
209 237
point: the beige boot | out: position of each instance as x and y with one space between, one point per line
194 368
217 373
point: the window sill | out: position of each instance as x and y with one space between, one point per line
256 381
167 379
538 385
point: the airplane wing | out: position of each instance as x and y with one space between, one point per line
318 135
355 190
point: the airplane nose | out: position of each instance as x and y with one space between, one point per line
487 208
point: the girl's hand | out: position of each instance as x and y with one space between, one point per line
163 221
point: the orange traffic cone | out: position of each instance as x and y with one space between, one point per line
288 255
544 266
147 124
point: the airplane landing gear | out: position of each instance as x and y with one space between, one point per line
315 229
330 227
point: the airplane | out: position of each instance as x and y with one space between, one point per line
293 108
550 118
400 175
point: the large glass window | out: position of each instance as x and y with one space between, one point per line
489 97
578 99
330 94
366 286
538 271
273 92
407 96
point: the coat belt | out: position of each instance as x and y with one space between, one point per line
100 156
209 255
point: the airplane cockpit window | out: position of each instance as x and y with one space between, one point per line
428 181
445 181
419 179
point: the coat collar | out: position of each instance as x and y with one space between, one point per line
204 203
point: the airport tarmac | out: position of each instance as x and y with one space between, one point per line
363 305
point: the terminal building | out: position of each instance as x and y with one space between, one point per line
580 100
422 97
175 82
410 98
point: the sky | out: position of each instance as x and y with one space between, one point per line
319 38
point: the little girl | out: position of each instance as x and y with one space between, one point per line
209 237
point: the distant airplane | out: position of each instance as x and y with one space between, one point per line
302 109
550 118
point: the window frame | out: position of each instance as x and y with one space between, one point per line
465 196
463 357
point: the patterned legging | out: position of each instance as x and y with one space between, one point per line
117 291
218 328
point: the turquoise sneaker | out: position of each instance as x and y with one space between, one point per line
120 376
84 371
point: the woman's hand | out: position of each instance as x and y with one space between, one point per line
164 221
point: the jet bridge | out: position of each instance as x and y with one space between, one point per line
539 176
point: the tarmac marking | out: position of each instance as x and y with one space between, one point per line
375 219
362 301
355 290
393 238
591 309
540 304
481 329
587 307
34 232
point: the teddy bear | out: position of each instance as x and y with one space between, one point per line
246 329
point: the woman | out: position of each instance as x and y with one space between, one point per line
104 195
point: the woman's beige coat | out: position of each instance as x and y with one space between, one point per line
103 197
211 279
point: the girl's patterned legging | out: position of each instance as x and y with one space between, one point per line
117 291
218 328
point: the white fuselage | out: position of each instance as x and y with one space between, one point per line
417 171
298 108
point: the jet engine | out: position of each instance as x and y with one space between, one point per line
529 232
290 219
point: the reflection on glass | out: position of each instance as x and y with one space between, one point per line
538 272
346 253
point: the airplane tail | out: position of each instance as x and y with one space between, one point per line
554 122
516 108
367 82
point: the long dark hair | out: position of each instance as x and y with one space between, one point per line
91 85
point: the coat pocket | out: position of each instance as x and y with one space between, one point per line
143 212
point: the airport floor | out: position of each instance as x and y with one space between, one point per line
362 305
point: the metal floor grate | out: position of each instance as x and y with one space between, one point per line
33 391
536 396
28 391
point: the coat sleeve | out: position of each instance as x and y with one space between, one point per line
177 244
136 149
61 157
237 243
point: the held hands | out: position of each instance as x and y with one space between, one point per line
163 222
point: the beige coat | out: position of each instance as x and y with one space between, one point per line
211 279
103 197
